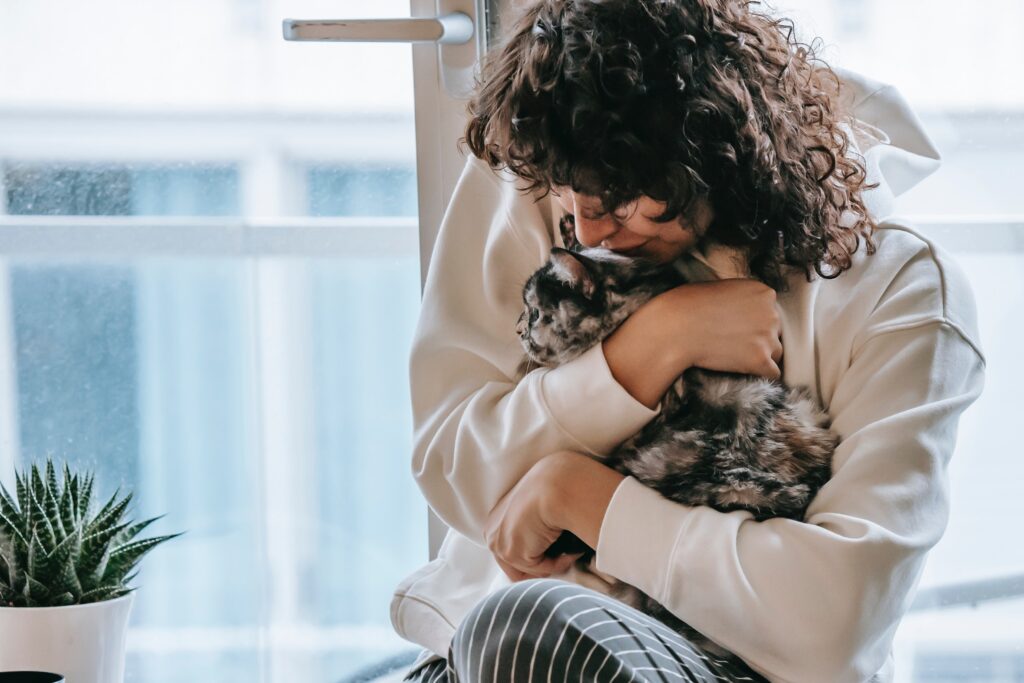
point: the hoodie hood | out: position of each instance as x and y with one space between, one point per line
897 151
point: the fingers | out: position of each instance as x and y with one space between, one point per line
543 569
552 565
565 562
511 572
777 354
767 360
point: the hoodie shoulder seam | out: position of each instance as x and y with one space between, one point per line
945 317
943 293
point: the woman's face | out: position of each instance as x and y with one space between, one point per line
631 229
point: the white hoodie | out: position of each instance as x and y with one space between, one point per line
890 348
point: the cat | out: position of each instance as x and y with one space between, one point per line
725 440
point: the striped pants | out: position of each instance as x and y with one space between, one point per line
553 630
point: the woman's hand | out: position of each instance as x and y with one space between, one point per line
519 528
728 325
562 491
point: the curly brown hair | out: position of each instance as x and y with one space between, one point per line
679 100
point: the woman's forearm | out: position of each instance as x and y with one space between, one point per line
644 353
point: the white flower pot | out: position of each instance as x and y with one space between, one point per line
84 643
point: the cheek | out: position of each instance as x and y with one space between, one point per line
676 232
672 245
565 201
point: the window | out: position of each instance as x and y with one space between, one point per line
209 277
75 189
194 217
970 620
362 191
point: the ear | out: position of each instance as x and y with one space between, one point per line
569 268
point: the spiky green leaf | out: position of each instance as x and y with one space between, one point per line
124 558
24 501
12 527
119 592
110 514
96 549
52 553
48 537
37 487
99 593
62 600
35 554
75 496
67 548
8 506
51 502
51 476
67 509
131 532
7 566
131 577
66 579
35 593
86 498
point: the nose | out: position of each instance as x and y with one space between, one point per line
592 231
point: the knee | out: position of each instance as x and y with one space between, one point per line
512 605
487 637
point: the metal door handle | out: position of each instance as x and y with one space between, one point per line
449 24
454 28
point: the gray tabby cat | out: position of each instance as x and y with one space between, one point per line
728 441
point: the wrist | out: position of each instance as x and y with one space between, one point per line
579 491
674 331
559 488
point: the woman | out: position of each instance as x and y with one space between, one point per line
699 133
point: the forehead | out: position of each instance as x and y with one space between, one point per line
642 206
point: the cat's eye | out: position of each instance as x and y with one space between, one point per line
534 314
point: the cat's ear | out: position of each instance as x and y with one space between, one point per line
567 267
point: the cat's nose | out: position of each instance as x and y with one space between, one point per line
521 324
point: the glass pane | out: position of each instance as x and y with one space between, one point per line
143 369
362 191
260 402
980 642
952 67
140 371
39 189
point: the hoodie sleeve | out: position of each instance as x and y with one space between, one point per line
820 600
476 429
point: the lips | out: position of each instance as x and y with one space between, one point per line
632 251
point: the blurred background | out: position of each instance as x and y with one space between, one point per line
209 278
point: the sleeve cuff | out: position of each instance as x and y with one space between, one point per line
638 536
588 403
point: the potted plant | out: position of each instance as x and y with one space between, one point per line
64 573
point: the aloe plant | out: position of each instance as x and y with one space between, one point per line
53 552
